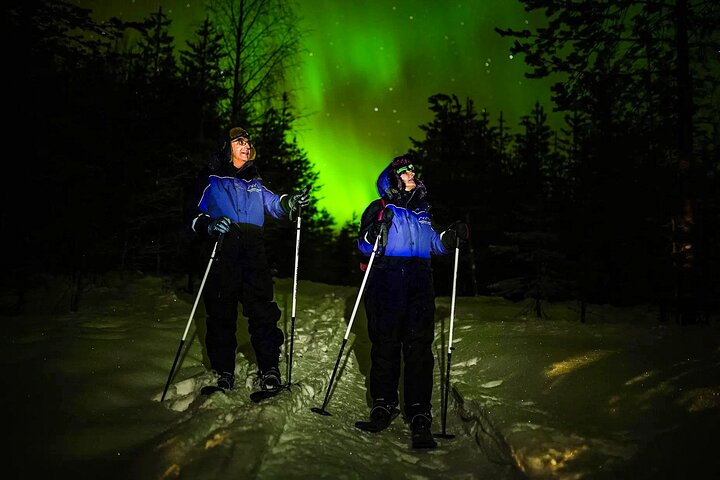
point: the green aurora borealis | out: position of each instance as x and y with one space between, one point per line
367 71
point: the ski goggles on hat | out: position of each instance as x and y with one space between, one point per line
405 168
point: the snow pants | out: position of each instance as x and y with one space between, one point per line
241 275
400 307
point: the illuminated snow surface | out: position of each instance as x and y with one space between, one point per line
619 397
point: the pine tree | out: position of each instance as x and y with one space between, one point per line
638 72
532 247
462 168
204 79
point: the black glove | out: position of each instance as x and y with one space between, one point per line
381 227
297 200
219 225
457 231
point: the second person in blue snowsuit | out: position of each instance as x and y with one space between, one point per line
400 296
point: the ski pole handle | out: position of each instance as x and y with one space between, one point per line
218 246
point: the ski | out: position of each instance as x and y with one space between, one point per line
210 389
261 395
378 424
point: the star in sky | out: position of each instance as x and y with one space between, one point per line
367 71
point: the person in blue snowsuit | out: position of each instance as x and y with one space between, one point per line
400 297
233 203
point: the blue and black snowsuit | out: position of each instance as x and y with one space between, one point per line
241 272
400 296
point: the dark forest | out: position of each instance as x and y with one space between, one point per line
620 205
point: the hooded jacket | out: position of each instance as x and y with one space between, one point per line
410 233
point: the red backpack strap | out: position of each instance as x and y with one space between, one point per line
382 203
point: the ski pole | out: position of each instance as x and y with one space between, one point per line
213 256
294 297
322 410
450 347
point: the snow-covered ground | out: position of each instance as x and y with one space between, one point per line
540 399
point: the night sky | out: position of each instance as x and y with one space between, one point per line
368 69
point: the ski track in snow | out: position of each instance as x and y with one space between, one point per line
229 435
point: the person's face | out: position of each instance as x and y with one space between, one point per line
407 175
240 151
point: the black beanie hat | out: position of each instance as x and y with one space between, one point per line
401 161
